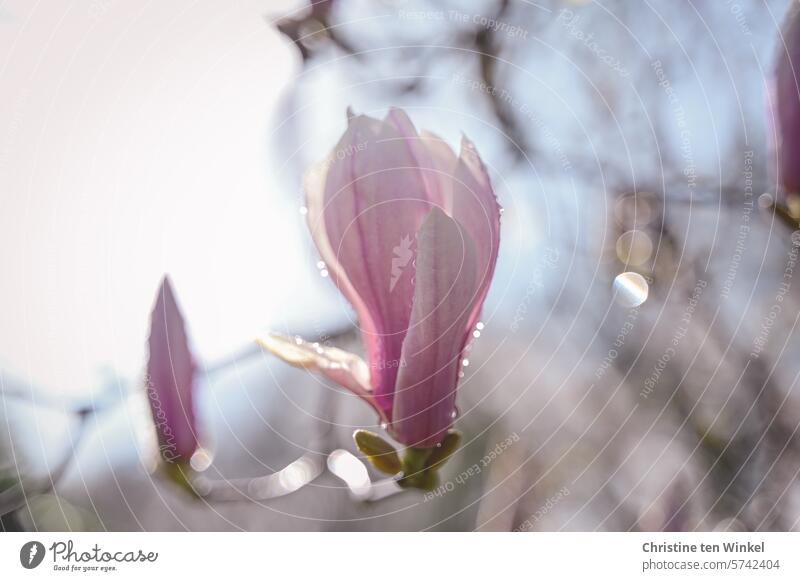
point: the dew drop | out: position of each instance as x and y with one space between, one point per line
321 264
476 334
630 289
764 201
323 272
303 210
454 414
465 363
480 326
384 426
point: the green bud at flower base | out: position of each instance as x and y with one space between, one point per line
380 453
418 467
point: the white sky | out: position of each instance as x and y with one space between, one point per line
133 142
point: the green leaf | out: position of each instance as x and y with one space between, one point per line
442 453
378 451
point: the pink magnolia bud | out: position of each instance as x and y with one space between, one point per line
170 379
409 233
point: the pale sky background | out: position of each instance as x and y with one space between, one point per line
134 141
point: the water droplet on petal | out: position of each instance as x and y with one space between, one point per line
303 210
764 201
454 414
630 289
321 264
480 326
476 334
323 273
384 426
465 363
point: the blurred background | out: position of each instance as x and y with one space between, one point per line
637 364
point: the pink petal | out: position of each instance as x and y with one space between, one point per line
786 92
446 284
343 368
475 207
365 206
434 166
170 379
445 162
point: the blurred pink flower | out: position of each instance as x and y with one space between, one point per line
409 233
786 95
170 379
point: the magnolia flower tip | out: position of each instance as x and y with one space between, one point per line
170 378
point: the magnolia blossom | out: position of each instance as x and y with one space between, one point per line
786 110
170 379
409 233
